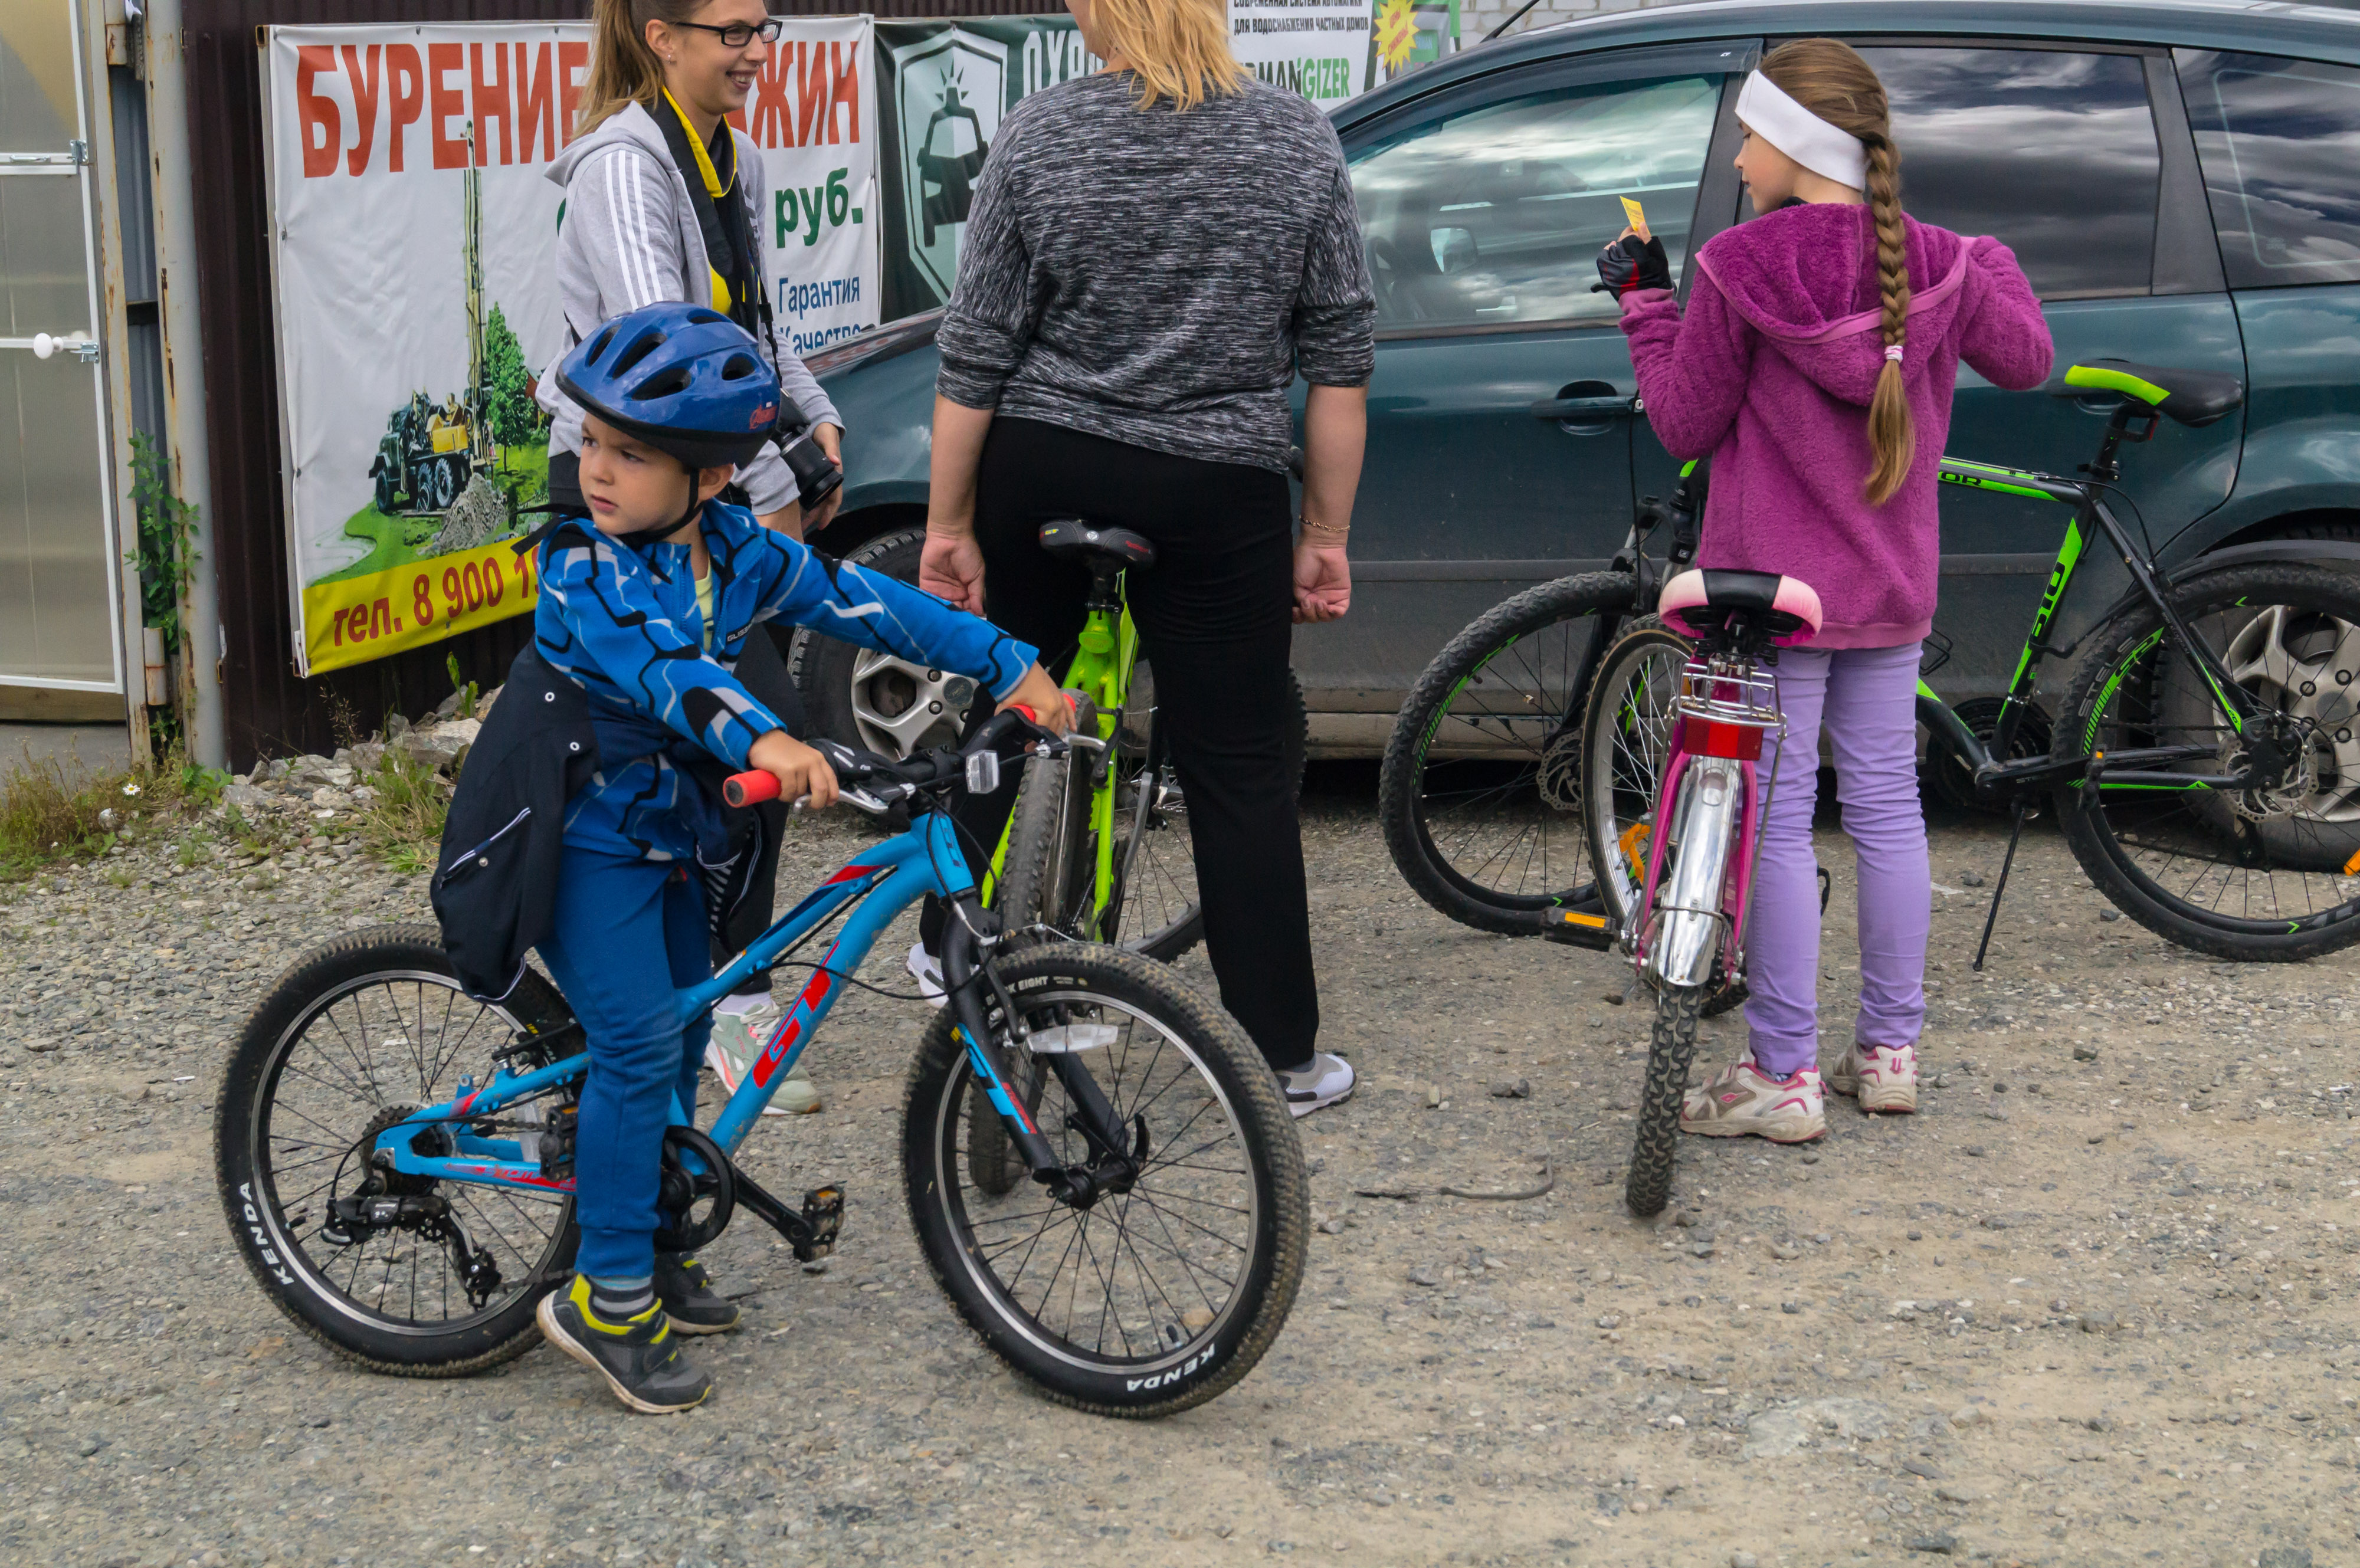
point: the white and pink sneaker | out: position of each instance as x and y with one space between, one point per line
1884 1077
1742 1101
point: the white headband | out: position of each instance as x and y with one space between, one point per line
1802 135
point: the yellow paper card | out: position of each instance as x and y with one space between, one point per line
1636 215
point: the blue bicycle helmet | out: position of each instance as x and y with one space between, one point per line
683 378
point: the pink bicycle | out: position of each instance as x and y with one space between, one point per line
1688 939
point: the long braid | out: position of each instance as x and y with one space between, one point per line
1891 433
1832 80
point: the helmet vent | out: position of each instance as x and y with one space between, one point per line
664 383
640 347
737 367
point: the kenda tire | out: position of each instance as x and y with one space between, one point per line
1233 1342
274 1254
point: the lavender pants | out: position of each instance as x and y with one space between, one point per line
1866 697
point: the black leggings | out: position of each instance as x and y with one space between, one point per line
762 670
1215 618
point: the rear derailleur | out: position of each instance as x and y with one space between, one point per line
355 1220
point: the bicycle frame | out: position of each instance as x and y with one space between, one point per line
1105 655
2145 768
887 879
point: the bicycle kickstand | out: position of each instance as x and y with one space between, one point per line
2006 865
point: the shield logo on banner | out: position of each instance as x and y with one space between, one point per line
947 93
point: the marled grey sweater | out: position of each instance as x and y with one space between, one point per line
1160 277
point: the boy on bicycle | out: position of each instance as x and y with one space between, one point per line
645 605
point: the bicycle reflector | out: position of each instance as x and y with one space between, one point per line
1701 737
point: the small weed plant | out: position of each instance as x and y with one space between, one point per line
403 826
49 814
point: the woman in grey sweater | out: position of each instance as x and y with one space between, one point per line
1153 254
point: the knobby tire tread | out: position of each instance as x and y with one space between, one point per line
1671 1047
2172 919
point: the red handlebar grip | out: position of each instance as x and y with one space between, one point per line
1026 709
748 789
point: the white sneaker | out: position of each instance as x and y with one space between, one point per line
927 970
1881 1077
742 1027
1742 1101
1327 1080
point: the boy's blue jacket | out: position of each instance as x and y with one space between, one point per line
615 699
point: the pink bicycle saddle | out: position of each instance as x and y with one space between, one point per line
1702 604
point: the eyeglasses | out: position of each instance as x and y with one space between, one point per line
738 35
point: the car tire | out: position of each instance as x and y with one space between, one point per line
858 697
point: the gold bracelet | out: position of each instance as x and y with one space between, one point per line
1326 535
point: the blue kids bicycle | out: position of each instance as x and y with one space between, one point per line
395 1156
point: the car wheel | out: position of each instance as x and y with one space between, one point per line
879 701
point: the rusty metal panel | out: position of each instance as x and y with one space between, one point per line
269 711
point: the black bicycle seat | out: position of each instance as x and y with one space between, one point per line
2191 398
1085 543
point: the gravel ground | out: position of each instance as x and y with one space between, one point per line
2092 1305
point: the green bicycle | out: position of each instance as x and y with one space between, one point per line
1097 847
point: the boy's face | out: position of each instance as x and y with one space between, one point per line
630 485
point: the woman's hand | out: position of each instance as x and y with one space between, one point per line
1051 710
950 567
831 441
1323 583
801 772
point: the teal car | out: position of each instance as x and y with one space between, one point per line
2180 178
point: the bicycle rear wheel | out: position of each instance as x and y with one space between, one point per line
2266 874
359 1034
1160 1295
1479 797
1670 1049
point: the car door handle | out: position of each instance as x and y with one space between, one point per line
1586 408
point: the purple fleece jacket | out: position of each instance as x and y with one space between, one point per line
1770 373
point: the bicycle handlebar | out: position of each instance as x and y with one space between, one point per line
904 777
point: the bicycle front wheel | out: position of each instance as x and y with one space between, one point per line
1481 793
358 1035
1171 1287
2265 874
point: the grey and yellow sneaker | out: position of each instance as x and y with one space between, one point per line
686 1293
1742 1101
639 1356
1881 1077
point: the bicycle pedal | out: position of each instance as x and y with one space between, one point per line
1576 928
822 1218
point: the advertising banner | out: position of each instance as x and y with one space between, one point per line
942 86
413 239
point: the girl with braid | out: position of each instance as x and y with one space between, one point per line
1814 364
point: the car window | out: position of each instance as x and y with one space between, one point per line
2051 152
1496 213
2280 141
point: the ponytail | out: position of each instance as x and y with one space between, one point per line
1832 80
623 69
1891 433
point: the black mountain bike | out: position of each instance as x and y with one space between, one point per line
2204 765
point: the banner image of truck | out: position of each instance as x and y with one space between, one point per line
414 232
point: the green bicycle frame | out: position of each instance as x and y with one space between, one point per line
1104 657
2091 519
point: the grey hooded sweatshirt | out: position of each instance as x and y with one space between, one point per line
628 237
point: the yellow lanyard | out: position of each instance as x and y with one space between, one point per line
715 187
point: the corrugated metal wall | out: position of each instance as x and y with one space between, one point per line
271 712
